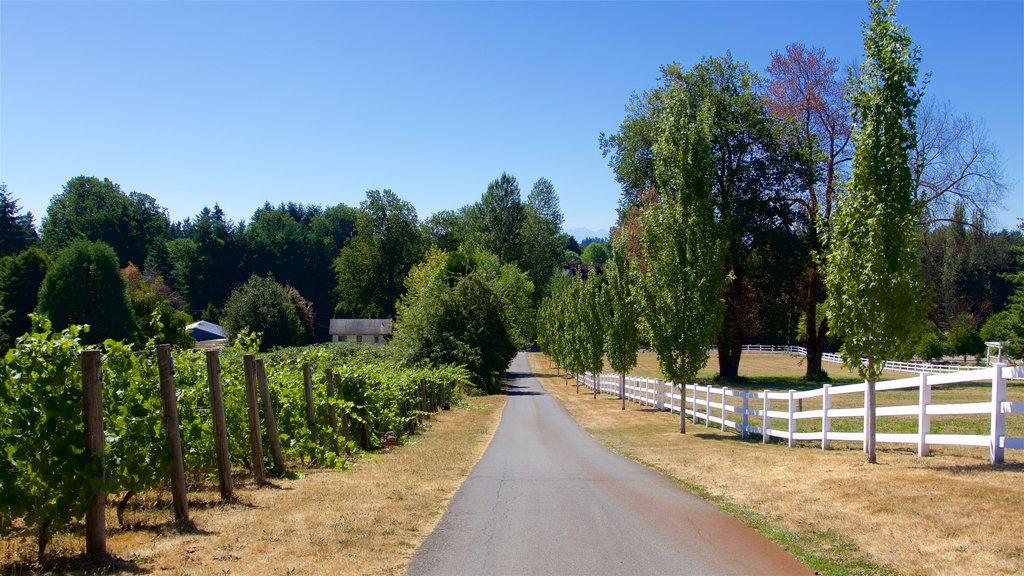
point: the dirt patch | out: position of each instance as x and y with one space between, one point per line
365 520
950 513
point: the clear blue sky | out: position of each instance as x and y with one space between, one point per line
244 102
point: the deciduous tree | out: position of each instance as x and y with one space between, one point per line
875 299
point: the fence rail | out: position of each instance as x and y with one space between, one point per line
711 404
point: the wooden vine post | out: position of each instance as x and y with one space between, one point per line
92 404
252 402
307 383
344 413
332 415
220 429
268 416
179 490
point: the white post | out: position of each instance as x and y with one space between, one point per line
792 422
864 441
707 406
765 420
998 418
724 390
924 421
826 421
745 417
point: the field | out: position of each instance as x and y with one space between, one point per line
366 520
950 513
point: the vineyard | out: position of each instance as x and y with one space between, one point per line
78 426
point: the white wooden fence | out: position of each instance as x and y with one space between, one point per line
833 358
712 405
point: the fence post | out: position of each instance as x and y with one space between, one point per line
924 421
765 420
170 405
745 416
307 384
252 403
826 420
268 415
220 432
707 406
792 422
998 418
92 412
724 390
332 414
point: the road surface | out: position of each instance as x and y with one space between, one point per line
546 498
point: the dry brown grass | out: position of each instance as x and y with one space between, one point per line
950 513
751 364
365 520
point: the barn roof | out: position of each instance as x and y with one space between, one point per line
372 327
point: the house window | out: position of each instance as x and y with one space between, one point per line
376 339
343 339
359 339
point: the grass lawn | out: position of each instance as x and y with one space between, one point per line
950 513
365 520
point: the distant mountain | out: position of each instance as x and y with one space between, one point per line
582 233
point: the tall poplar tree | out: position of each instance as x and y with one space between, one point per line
622 336
683 285
876 300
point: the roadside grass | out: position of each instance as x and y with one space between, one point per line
368 519
950 513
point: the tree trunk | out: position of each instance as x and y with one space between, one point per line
44 537
682 413
815 330
729 350
622 389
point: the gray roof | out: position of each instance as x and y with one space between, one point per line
371 327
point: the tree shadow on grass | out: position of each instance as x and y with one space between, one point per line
80 564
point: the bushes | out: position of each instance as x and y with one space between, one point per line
263 305
84 285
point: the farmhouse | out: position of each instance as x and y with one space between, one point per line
363 331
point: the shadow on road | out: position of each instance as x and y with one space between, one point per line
512 389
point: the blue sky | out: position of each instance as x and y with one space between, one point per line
245 102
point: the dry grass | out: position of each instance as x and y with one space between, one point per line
366 520
753 365
950 513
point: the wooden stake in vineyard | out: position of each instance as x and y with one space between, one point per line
220 429
268 416
92 400
252 402
179 490
332 416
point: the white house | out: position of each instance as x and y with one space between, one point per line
362 331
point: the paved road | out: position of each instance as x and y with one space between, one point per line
546 498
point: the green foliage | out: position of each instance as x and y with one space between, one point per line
84 286
962 338
682 287
875 302
43 465
154 305
263 305
20 279
572 317
497 220
464 309
372 267
98 210
17 231
622 336
594 253
541 229
929 347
